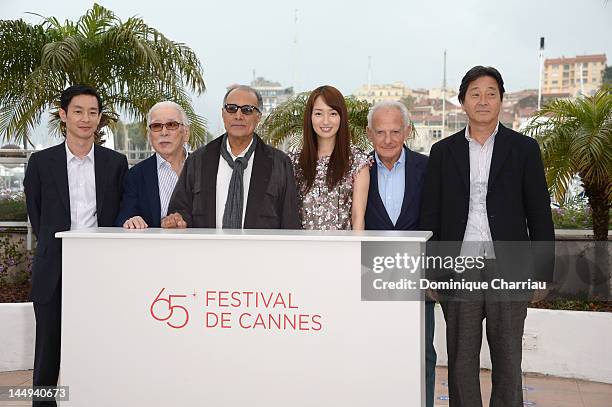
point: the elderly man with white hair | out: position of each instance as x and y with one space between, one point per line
394 198
148 185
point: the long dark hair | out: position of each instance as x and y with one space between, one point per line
339 161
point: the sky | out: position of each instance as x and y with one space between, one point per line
405 39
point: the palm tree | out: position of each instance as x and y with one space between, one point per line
576 139
283 126
131 64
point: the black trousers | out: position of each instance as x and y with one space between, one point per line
505 320
48 343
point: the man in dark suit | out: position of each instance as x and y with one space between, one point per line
236 181
73 185
149 184
394 198
485 187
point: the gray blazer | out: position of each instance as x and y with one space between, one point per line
272 200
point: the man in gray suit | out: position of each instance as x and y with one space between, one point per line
236 181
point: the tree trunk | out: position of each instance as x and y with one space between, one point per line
600 207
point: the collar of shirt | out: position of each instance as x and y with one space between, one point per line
489 140
399 163
161 161
70 156
242 154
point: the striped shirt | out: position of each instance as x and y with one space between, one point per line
477 227
166 179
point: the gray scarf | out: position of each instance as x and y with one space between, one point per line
232 215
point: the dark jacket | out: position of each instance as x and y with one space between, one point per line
141 194
272 199
376 216
518 202
48 202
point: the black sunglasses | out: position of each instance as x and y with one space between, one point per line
245 109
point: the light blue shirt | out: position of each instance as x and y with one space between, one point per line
391 184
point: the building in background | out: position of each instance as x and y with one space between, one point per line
570 77
375 93
273 93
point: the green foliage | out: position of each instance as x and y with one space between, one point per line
572 218
575 137
13 208
607 76
284 124
15 261
408 101
580 301
131 64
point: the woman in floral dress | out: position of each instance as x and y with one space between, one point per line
332 176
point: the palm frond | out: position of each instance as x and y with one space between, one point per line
132 65
575 137
284 125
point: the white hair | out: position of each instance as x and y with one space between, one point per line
168 103
389 104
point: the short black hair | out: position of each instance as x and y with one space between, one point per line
478 72
248 89
77 90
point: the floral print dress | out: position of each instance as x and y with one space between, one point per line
321 208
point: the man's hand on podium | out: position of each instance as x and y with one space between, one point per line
173 221
136 222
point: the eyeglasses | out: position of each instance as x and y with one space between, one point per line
159 126
245 109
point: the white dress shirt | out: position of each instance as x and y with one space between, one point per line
224 175
166 180
477 227
82 190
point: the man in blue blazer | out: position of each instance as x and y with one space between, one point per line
148 185
394 198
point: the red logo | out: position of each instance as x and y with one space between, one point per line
163 309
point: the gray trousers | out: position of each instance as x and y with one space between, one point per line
504 328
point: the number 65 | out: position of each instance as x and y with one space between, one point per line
171 309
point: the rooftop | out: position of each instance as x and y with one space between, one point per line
576 59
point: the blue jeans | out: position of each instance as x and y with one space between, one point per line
430 354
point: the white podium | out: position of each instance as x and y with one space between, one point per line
203 317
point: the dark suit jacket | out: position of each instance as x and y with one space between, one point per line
272 200
518 202
141 194
376 216
48 202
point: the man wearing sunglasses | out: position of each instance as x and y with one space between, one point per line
149 184
236 181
